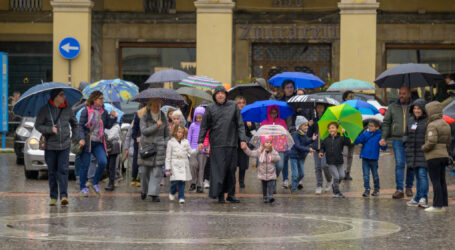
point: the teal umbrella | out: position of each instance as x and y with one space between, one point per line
351 84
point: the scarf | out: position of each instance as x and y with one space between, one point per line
264 157
93 118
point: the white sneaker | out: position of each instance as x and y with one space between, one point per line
318 190
328 186
286 184
301 182
171 197
412 203
181 201
423 203
206 184
435 209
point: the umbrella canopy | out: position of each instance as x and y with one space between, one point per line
257 112
166 108
449 113
301 80
108 108
411 75
200 81
346 116
168 96
364 107
37 96
310 101
281 139
351 84
252 92
195 93
116 90
167 75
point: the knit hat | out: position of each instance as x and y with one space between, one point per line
299 120
55 92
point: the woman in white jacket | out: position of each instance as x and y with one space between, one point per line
113 145
178 153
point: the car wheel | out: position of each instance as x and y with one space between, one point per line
20 161
31 174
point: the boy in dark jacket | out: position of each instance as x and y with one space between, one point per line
370 155
299 151
332 147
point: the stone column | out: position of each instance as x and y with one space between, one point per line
72 18
358 39
214 39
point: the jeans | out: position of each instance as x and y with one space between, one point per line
422 184
437 171
400 162
100 154
58 168
367 166
297 172
77 164
410 174
181 186
319 167
285 169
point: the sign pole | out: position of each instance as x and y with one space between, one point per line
4 96
69 72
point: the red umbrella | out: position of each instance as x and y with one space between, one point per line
448 119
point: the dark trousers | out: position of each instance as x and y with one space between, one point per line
135 167
437 171
267 188
207 169
223 166
242 161
111 160
58 168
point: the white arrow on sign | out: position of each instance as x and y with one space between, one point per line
67 47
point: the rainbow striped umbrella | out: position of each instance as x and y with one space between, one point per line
115 90
201 81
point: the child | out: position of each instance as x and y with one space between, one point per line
370 155
197 161
266 168
299 151
177 163
332 147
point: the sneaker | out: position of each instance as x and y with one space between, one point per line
232 199
171 197
162 182
300 186
271 200
348 177
285 184
64 201
366 193
206 184
375 192
155 199
435 209
92 187
96 189
133 183
84 192
242 185
338 195
412 203
143 196
192 188
266 200
318 190
423 203
52 202
409 192
181 201
328 186
199 190
398 195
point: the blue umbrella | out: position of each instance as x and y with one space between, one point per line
301 80
167 75
37 96
364 107
107 108
116 90
257 112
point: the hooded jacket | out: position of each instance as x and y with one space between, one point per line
370 142
300 149
224 122
193 132
277 121
266 167
438 135
414 137
395 119
332 147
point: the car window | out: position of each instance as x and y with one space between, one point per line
129 107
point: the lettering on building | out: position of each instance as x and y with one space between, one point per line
288 32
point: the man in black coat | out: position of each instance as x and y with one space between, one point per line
223 120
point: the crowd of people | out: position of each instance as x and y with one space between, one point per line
205 146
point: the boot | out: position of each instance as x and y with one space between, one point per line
348 177
109 187
375 192
192 188
199 190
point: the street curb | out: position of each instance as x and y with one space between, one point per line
6 150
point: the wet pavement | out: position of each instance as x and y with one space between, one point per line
121 220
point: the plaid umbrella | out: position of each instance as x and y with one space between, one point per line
201 81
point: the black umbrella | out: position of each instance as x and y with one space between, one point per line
309 101
252 92
411 75
168 96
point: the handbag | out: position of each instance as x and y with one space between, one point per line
76 148
112 147
148 151
450 165
42 139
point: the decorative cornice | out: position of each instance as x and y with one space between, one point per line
214 6
358 8
72 6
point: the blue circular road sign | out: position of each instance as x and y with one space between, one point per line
69 48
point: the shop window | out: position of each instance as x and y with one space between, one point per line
25 5
159 6
139 60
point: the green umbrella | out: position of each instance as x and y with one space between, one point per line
351 84
346 116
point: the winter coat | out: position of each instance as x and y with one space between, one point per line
107 120
438 135
414 137
371 147
277 121
136 131
300 148
152 134
177 159
193 132
395 119
43 124
332 147
224 122
266 169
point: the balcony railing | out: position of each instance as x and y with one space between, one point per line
159 6
25 5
